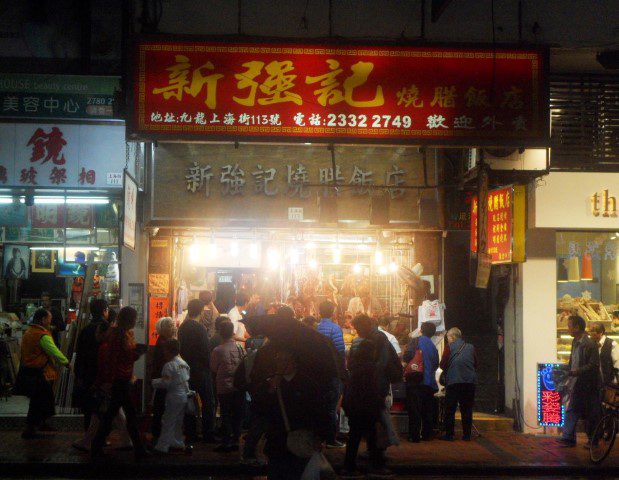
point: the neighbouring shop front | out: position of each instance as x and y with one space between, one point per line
61 185
571 269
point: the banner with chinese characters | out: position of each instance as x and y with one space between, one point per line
158 307
382 94
61 155
505 224
550 409
197 182
83 97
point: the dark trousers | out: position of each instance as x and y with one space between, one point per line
120 398
204 389
360 427
582 405
332 401
464 395
231 407
420 406
257 428
158 409
285 466
41 405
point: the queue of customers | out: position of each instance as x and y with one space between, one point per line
273 372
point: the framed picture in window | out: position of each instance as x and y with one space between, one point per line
43 261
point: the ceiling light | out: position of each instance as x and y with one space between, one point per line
313 264
393 267
234 249
356 268
378 257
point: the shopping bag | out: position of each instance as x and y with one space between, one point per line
318 468
413 372
193 404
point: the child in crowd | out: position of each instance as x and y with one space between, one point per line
174 379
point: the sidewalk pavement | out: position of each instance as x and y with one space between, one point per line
493 453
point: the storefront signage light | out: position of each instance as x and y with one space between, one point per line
297 92
550 410
505 224
602 203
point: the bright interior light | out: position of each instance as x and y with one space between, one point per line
5 200
273 258
393 267
48 200
194 252
212 249
378 257
87 200
294 256
337 255
383 270
356 268
234 249
313 264
363 247
310 246
253 251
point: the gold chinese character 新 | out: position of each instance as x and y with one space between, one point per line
178 81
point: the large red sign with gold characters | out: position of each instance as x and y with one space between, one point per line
224 91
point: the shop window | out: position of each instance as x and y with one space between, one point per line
587 272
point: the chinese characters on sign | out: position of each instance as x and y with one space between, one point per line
345 92
501 218
63 155
232 180
550 410
158 307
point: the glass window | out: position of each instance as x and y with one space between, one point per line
587 272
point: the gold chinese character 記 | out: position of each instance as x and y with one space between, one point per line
444 97
331 93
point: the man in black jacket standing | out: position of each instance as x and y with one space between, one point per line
86 356
584 385
194 343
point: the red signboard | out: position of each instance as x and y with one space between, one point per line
219 91
158 307
499 228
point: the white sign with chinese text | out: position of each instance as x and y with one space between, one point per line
60 155
129 218
295 213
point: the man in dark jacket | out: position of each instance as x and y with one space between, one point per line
86 355
585 382
194 343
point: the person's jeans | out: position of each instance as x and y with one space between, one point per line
362 427
120 398
333 398
464 395
204 389
581 405
420 403
231 407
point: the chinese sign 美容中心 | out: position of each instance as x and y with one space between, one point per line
550 410
83 97
60 155
292 91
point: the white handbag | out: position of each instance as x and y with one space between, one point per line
299 442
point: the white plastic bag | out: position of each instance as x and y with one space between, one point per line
318 468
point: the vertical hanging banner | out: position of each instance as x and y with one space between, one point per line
130 210
381 94
158 307
505 224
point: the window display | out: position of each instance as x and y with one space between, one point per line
587 272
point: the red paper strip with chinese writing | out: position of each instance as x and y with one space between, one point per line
500 215
383 94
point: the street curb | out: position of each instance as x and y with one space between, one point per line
150 470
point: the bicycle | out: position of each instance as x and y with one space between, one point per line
605 432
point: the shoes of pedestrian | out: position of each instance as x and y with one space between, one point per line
447 438
350 473
380 472
80 447
564 442
252 462
30 434
336 444
47 428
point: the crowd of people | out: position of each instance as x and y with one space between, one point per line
269 371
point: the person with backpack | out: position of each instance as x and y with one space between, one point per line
421 357
225 360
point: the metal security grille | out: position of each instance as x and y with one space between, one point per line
585 122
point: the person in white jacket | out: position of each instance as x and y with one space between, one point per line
174 379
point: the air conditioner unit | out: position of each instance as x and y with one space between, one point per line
531 159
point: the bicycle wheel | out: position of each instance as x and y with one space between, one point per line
603 438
